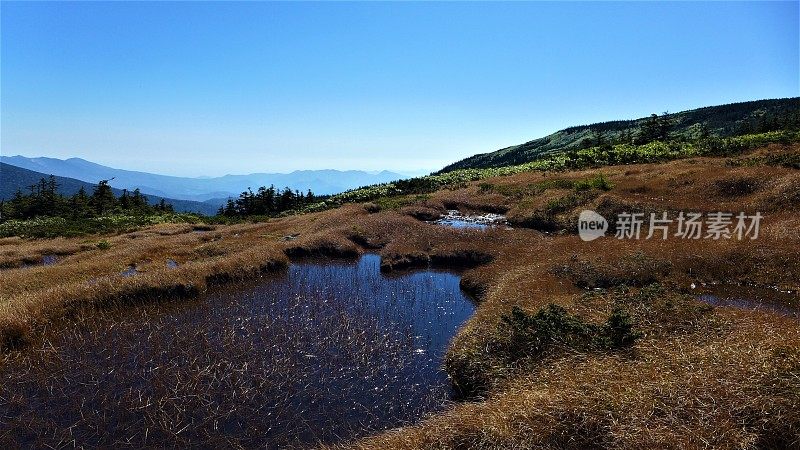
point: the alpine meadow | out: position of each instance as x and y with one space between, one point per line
392 274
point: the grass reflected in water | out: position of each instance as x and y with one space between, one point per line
328 351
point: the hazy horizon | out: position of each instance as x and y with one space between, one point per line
208 89
372 172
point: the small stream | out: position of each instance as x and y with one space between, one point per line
328 351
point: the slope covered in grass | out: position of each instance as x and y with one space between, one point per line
597 156
714 121
573 344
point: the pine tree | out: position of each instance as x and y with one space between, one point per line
125 200
665 125
103 200
650 130
139 202
230 208
79 204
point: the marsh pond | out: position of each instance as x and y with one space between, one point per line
455 219
326 351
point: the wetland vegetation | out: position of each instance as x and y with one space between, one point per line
231 331
325 351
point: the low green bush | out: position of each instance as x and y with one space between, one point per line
525 335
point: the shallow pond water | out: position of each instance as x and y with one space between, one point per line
754 298
455 219
45 260
49 260
129 271
330 350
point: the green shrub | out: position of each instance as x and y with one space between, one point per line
597 182
534 334
790 160
618 330
103 245
525 335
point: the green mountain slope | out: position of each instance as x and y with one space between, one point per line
721 121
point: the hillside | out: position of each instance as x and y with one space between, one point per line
573 344
14 178
720 121
202 189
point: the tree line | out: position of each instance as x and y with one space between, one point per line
267 201
44 200
665 128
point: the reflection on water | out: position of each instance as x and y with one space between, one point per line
129 271
49 260
45 260
325 352
755 298
454 218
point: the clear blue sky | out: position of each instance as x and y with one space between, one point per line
215 88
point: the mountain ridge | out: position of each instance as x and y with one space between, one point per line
719 120
326 181
13 178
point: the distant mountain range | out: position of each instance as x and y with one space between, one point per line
721 121
214 190
206 194
13 178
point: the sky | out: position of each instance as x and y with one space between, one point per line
207 89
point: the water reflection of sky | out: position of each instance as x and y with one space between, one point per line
753 298
459 223
326 351
455 219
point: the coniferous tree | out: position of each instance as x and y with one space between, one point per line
138 201
650 130
79 204
230 208
44 200
103 200
664 126
124 201
19 204
163 206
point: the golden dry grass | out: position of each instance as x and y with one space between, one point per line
698 378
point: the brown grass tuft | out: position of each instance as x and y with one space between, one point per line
14 333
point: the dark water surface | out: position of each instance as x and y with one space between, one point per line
330 350
754 298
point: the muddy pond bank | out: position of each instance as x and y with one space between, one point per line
329 350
